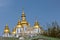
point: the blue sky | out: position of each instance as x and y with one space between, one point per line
46 11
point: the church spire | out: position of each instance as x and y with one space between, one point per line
6 30
23 21
23 15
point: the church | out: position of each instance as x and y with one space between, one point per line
23 28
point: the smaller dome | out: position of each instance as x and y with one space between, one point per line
19 25
36 25
14 31
6 30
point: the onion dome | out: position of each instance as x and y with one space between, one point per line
19 25
36 25
14 31
23 21
6 30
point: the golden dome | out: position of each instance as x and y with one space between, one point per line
23 21
36 25
6 30
14 31
19 25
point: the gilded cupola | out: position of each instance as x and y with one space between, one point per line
14 31
19 25
23 21
6 30
36 24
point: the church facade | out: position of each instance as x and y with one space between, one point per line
23 28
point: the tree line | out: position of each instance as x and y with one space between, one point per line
53 30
